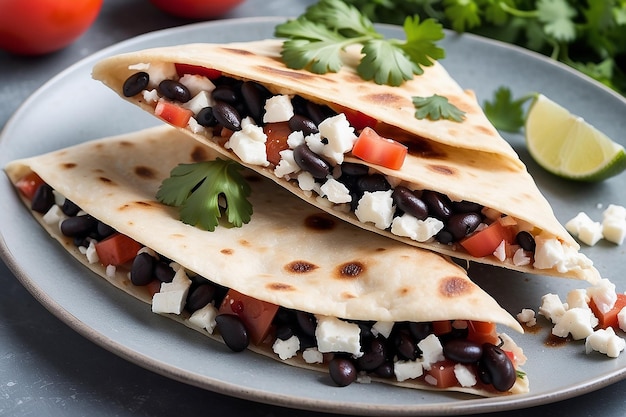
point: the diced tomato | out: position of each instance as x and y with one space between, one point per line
443 372
255 314
28 184
173 114
357 119
371 147
442 327
609 319
210 73
277 134
486 241
482 332
117 249
153 287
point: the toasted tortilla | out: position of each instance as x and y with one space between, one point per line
349 273
465 161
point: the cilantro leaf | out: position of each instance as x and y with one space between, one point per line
344 19
385 63
463 14
556 15
420 43
504 112
436 107
197 188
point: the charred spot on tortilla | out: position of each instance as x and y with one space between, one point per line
300 267
227 251
68 165
347 295
244 242
145 172
386 99
237 51
319 222
442 169
280 286
106 180
454 287
126 143
199 154
351 270
288 74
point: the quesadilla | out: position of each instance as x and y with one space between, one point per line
357 150
294 283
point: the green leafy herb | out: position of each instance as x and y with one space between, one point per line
436 107
520 374
197 188
504 112
316 40
590 36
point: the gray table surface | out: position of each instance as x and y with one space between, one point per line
47 369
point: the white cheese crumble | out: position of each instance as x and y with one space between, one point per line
404 370
520 258
376 207
340 136
150 96
579 322
500 252
382 328
605 341
199 101
614 224
432 351
306 182
550 253
527 316
172 295
621 319
312 355
335 335
588 231
295 139
464 375
335 191
287 164
197 84
286 349
414 228
91 253
603 295
110 271
54 215
249 145
278 109
552 307
204 318
160 71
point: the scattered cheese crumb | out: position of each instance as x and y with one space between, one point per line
408 370
464 375
286 349
551 307
312 355
432 351
527 316
605 341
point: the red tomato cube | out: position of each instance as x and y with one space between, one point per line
373 148
172 113
255 314
117 249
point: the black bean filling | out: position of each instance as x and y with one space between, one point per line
236 100
379 353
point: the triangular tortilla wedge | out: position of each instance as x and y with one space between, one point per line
291 254
464 161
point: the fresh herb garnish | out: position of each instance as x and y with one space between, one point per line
436 107
505 112
520 374
316 40
196 189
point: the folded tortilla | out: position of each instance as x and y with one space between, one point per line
290 254
465 161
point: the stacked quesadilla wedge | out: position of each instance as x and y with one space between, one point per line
294 283
358 150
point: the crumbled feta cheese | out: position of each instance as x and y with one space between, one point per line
249 145
199 101
500 252
54 215
621 319
59 199
172 295
312 355
432 351
340 136
527 316
287 164
295 139
376 207
91 253
160 71
603 295
110 271
550 253
150 96
464 375
286 349
588 231
307 183
413 228
204 318
335 335
551 307
335 191
520 258
141 66
578 298
407 370
196 127
382 328
579 322
278 109
614 224
197 83
605 341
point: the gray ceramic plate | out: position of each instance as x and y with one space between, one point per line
72 108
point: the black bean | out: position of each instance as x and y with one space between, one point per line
385 370
206 118
372 183
444 236
317 112
526 241
69 208
408 202
135 84
199 296
104 230
225 93
78 225
309 161
466 207
342 371
439 205
227 116
420 330
254 96
163 272
233 331
373 357
462 224
463 351
303 124
351 168
142 270
174 91
406 348
284 332
499 367
306 322
43 199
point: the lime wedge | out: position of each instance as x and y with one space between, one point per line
567 146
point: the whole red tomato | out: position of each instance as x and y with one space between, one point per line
34 27
196 9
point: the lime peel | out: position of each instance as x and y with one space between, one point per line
569 147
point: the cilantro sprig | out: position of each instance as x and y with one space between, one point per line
197 188
316 40
437 107
505 112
